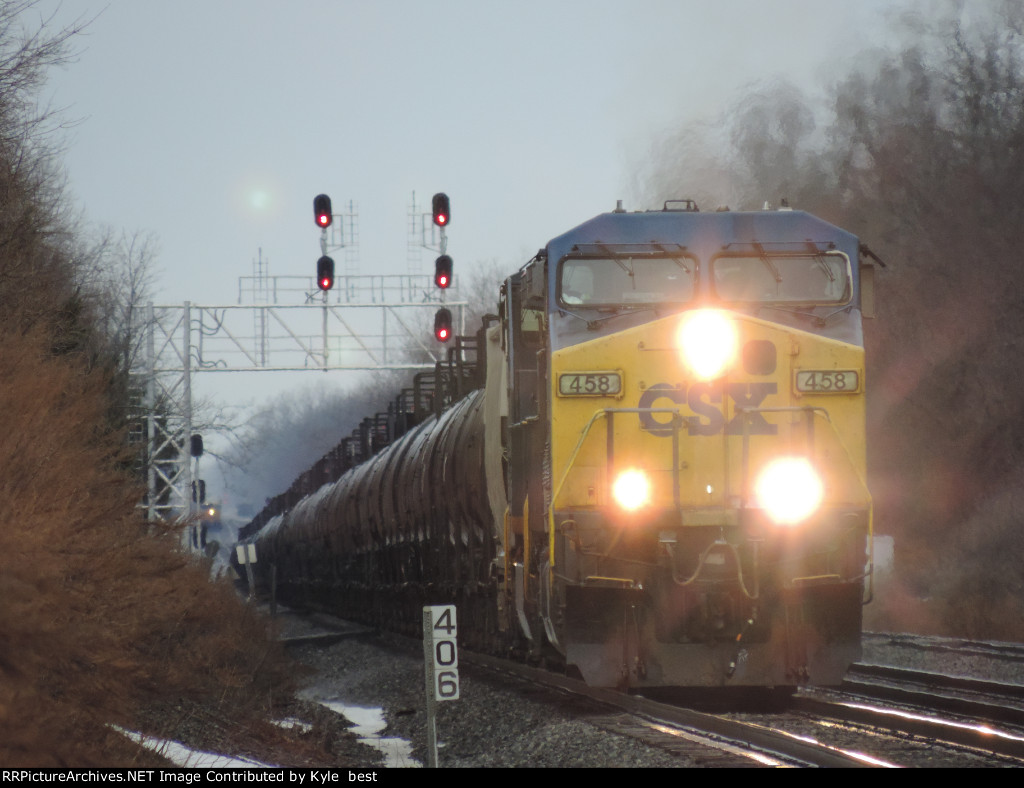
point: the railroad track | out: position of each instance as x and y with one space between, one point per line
878 701
994 701
754 742
700 737
967 712
985 649
819 728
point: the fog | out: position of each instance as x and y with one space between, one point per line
919 150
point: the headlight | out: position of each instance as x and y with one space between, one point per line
707 341
631 489
789 490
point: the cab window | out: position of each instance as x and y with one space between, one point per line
822 278
613 281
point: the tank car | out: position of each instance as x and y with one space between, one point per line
650 462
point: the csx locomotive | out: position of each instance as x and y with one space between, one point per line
649 464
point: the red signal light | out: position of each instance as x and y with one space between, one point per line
443 271
322 210
443 325
441 208
325 273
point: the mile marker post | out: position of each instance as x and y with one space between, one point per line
440 665
247 557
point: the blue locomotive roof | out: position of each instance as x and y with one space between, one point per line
702 236
703 233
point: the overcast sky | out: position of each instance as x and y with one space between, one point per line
213 123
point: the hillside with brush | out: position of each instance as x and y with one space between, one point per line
104 622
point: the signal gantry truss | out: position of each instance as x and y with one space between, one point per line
365 323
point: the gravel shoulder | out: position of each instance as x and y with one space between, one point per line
490 726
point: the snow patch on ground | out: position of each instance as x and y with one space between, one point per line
367 723
180 755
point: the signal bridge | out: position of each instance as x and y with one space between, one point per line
363 323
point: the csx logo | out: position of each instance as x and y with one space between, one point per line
706 401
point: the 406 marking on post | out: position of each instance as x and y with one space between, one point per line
443 633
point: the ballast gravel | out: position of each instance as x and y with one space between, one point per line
499 722
490 725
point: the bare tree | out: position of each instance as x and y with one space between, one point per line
920 152
127 278
287 435
94 605
39 280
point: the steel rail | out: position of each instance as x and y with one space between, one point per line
758 738
849 710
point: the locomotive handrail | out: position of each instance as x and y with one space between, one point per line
677 422
813 410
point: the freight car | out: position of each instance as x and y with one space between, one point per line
650 463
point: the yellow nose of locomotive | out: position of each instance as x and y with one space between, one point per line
708 467
700 415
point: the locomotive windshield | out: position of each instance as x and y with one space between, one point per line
783 278
614 281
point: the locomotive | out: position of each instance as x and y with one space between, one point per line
650 464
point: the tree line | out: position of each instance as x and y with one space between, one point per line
105 622
919 150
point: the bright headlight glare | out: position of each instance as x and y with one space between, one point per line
631 489
789 490
707 340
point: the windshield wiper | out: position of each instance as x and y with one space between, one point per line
825 267
617 311
819 320
771 267
627 268
593 325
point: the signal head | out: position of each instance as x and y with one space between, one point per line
443 325
441 209
325 273
322 212
443 272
